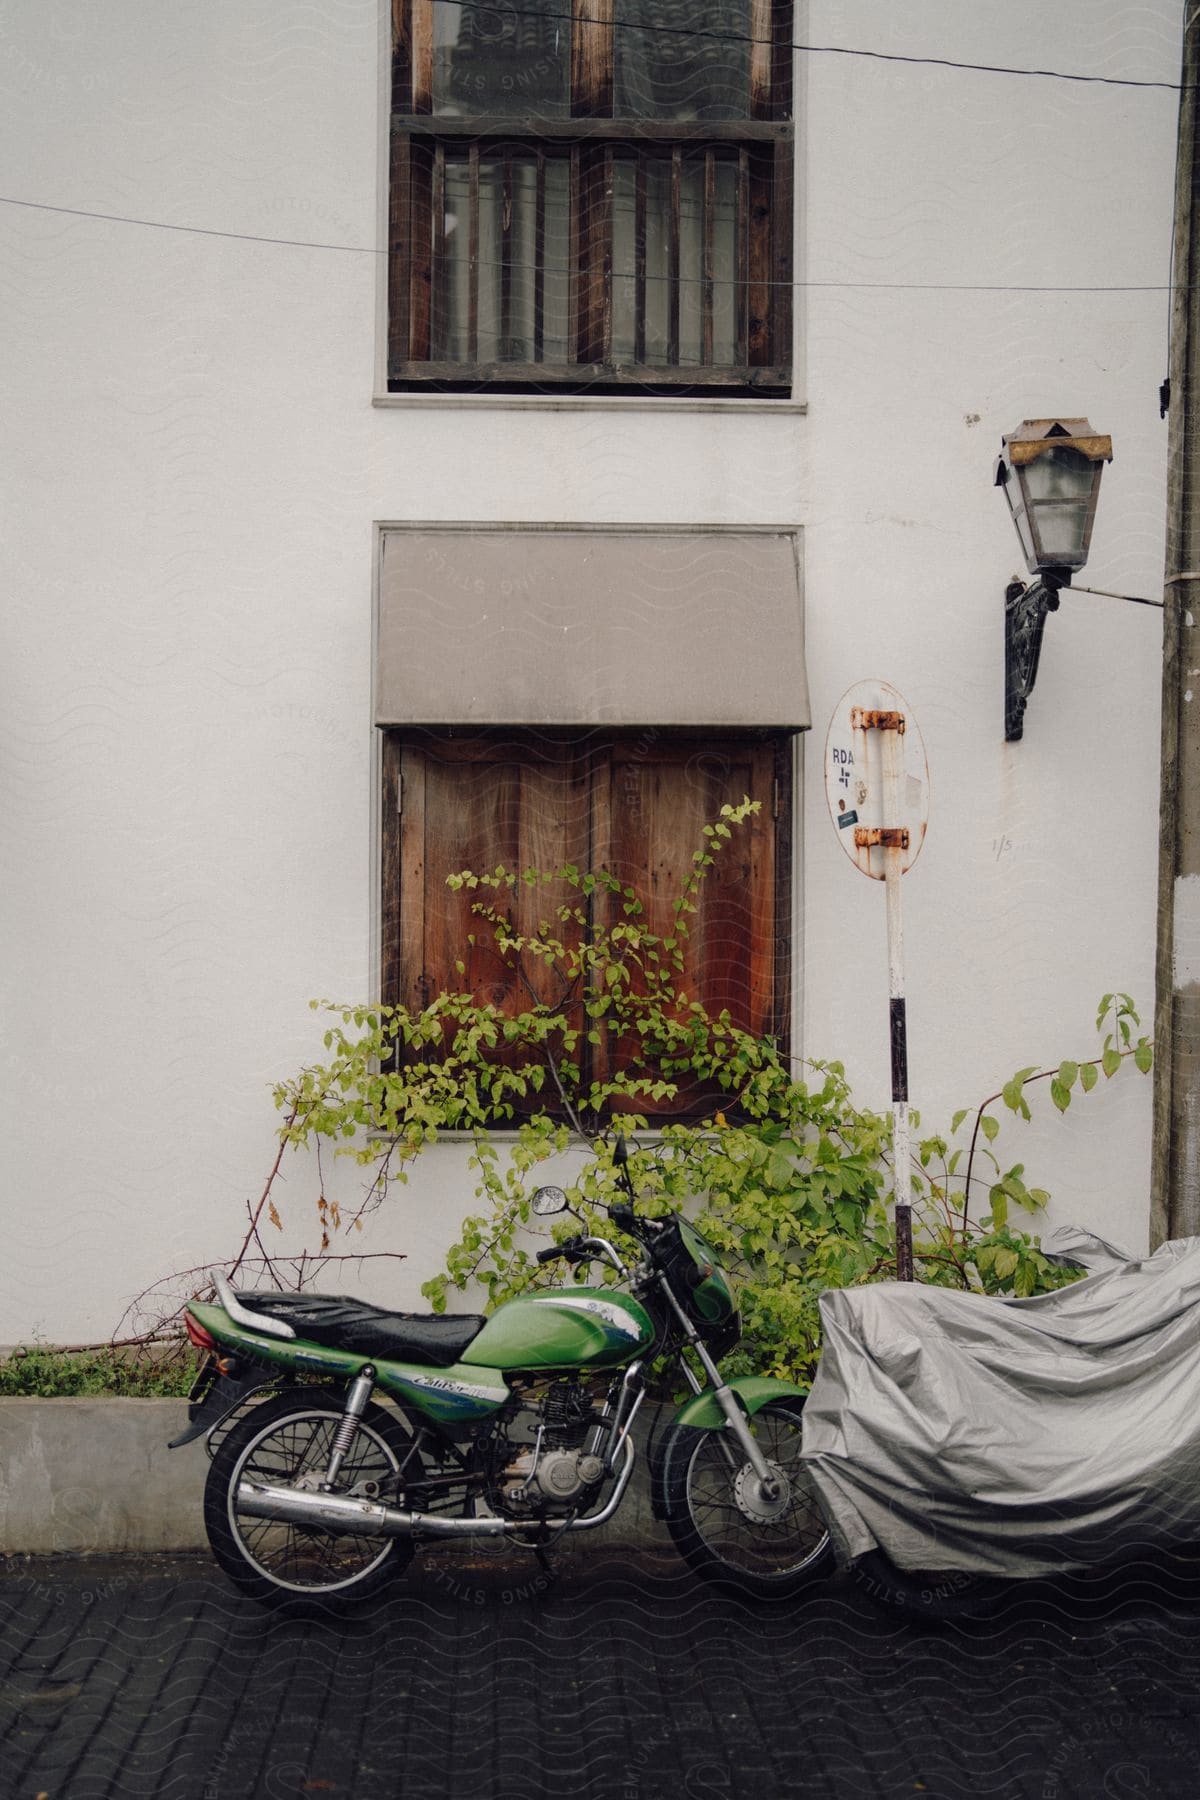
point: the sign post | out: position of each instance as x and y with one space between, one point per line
877 784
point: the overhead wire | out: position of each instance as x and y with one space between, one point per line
250 237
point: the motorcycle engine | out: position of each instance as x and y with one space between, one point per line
544 1462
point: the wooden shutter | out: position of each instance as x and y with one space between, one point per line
475 802
662 790
635 804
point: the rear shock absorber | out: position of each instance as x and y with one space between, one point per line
356 1401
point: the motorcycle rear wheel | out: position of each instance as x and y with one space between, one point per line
278 1442
723 1529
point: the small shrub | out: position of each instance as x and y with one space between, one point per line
40 1371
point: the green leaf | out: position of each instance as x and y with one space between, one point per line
1013 1094
1143 1055
1110 1062
1089 1075
999 1205
990 1127
958 1118
1006 1261
1060 1094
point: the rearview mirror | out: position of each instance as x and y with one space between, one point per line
547 1200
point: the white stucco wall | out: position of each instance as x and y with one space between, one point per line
193 467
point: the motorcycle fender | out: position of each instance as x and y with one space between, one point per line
217 1401
702 1413
753 1392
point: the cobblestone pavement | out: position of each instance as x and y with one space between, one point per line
622 1679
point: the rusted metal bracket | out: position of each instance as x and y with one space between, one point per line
889 837
863 719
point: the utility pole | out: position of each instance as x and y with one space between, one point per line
1175 1181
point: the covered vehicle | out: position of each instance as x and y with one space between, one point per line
1013 1437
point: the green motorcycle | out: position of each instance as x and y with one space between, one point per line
514 1427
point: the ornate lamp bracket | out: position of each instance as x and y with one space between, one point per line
1025 610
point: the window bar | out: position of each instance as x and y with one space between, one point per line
758 288
439 310
473 256
673 259
574 285
507 239
707 254
639 258
401 237
781 268
539 259
741 227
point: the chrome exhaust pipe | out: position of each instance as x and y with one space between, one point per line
363 1518
346 1514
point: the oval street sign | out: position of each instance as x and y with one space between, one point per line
855 784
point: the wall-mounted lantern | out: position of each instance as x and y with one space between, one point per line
1050 471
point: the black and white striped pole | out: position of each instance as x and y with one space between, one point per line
877 781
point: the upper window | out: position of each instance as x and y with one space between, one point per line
591 195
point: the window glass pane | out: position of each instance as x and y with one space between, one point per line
691 286
509 58
658 263
624 260
556 261
659 276
518 318
724 266
458 269
673 60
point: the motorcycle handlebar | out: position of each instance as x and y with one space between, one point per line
569 1247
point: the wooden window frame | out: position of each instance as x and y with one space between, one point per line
410 883
760 146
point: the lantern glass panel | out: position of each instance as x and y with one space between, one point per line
1014 494
1059 475
1061 530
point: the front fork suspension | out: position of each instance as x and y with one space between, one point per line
735 1419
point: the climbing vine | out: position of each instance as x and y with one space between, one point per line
787 1177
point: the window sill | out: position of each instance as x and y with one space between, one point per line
584 403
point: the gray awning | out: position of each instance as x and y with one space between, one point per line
524 625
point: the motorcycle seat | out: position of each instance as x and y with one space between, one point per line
342 1323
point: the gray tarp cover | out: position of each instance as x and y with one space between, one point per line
1014 1437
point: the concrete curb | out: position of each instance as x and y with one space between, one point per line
95 1476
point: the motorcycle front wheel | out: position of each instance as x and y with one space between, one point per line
284 1442
725 1527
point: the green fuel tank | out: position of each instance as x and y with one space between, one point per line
569 1328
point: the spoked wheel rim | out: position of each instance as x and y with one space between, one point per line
750 1531
302 1558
